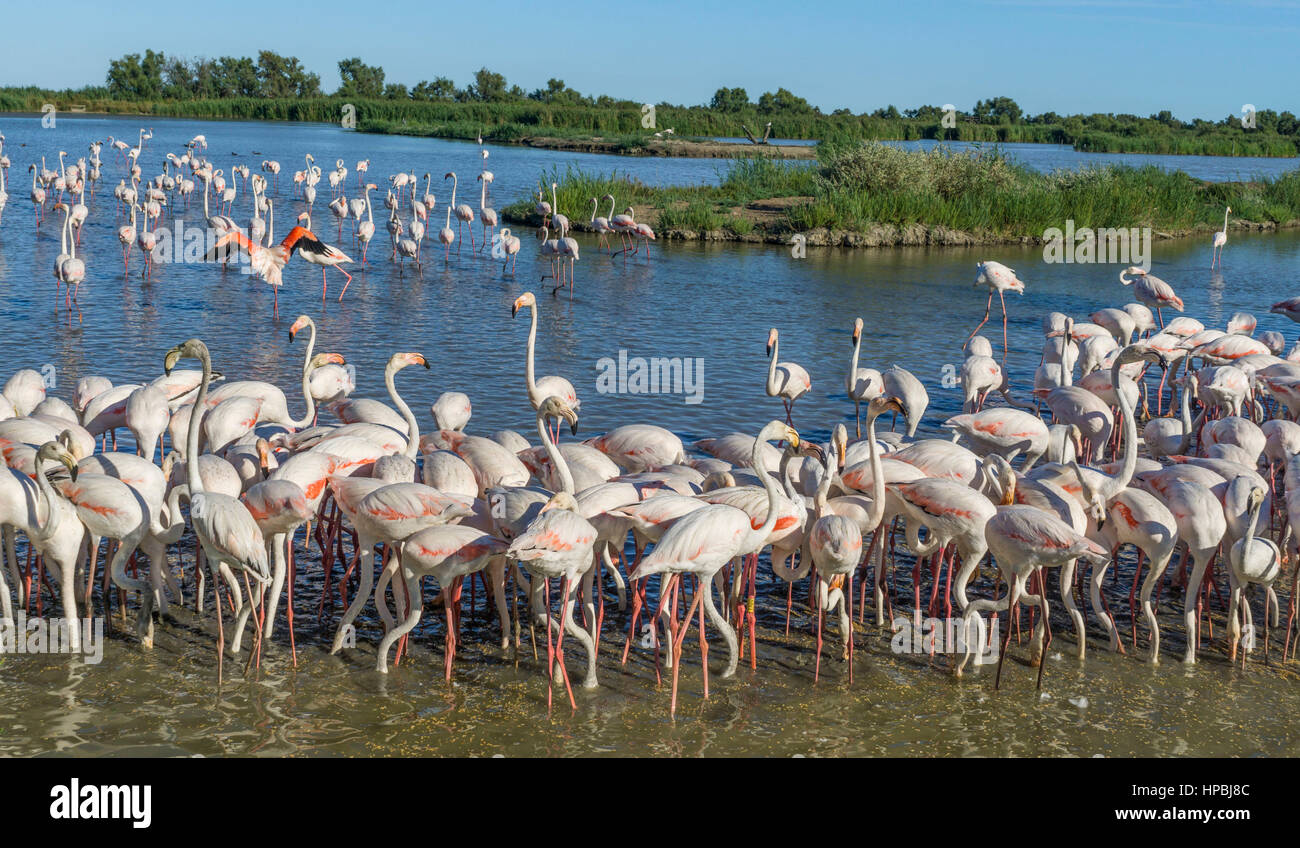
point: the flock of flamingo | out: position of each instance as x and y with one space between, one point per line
1060 483
143 206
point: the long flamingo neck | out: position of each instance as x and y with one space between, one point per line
412 426
1114 485
771 368
192 476
557 458
532 342
877 513
853 369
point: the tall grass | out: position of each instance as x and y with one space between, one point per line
855 187
509 120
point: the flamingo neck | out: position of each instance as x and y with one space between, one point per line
853 369
529 379
412 426
192 476
759 465
557 459
877 512
1112 486
772 387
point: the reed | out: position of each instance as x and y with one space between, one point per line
856 187
510 120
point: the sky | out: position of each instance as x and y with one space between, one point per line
1198 58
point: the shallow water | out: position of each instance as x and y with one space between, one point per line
713 301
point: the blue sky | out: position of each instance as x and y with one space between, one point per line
1202 58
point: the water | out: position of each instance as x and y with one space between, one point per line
1051 157
714 301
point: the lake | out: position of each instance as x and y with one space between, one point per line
711 301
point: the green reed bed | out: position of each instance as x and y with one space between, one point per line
855 187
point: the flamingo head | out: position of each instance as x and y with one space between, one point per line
192 349
840 442
1132 270
1093 503
771 340
880 404
561 500
857 330
554 407
525 299
448 175
404 359
55 452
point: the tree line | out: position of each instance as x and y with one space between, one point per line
156 76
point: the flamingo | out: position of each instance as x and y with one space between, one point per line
330 257
601 224
268 262
366 228
126 235
1220 239
229 536
446 236
540 389
703 541
1257 560
560 222
785 380
833 543
464 214
386 512
996 277
1024 540
38 196
449 552
1151 291
487 215
862 384
511 245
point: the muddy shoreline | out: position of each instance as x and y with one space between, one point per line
671 147
771 227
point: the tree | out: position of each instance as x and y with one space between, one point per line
557 92
997 110
134 78
730 100
441 88
233 77
783 101
284 76
396 91
487 86
178 83
360 79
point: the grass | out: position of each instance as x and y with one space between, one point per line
855 187
621 120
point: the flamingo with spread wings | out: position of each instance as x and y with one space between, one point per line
268 262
